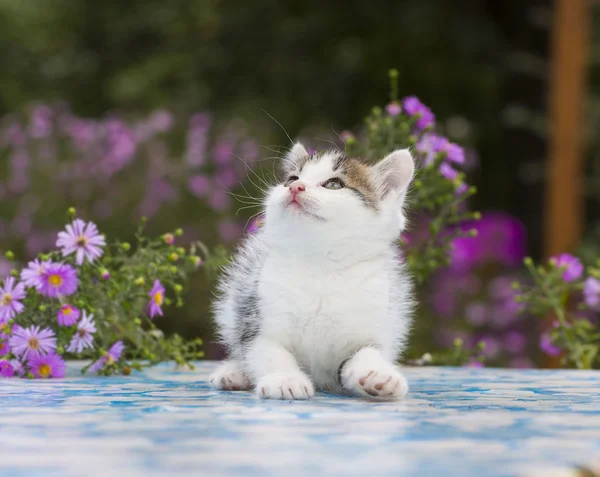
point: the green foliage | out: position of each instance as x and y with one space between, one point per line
550 295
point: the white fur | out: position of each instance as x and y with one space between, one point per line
325 285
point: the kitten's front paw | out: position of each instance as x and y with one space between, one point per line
285 386
383 381
230 377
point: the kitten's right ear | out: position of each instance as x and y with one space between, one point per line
294 157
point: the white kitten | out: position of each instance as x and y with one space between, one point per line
318 296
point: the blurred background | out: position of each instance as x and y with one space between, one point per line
153 108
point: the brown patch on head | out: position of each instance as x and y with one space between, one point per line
356 176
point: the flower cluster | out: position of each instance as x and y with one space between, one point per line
439 191
568 300
89 299
169 159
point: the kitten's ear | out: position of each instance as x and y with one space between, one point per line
295 155
394 172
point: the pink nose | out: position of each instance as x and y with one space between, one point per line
296 187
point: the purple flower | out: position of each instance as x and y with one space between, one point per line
573 268
32 276
157 297
113 355
32 341
18 368
591 293
161 120
547 346
500 238
393 109
6 369
430 145
414 107
447 171
50 365
59 279
83 338
67 315
83 239
10 296
515 342
199 186
454 153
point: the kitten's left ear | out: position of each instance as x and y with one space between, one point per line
294 156
394 172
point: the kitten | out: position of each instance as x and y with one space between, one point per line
318 297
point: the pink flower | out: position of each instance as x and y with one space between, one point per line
50 365
11 295
32 341
6 369
59 280
573 268
83 338
67 315
32 276
113 355
82 239
591 293
393 109
157 297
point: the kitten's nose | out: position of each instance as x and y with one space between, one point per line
296 187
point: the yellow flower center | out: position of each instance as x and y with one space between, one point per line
44 370
3 327
109 359
6 299
158 298
67 310
81 241
55 280
33 344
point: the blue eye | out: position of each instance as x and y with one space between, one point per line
334 184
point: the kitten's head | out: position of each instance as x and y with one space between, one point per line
333 195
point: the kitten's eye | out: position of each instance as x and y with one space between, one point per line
290 180
334 184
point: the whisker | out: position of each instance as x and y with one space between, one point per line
279 124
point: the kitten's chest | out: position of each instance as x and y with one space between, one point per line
317 299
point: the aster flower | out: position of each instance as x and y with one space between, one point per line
32 341
414 107
113 355
448 172
573 268
83 338
547 346
32 276
67 315
50 365
82 239
10 295
157 297
18 368
6 369
591 293
59 279
454 153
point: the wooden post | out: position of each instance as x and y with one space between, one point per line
564 215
